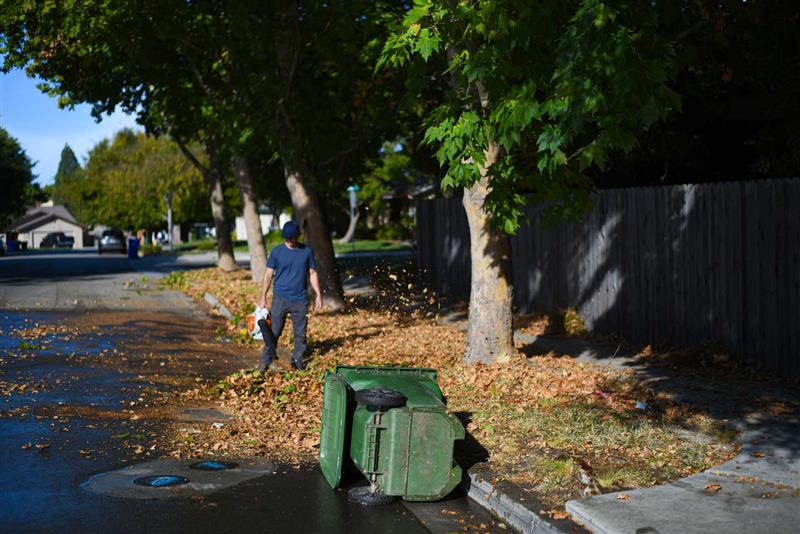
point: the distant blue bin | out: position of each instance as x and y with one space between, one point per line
133 248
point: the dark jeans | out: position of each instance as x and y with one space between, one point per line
278 311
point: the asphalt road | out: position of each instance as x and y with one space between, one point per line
88 387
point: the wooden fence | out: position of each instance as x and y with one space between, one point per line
680 265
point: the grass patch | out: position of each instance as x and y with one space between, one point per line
365 245
176 280
370 245
274 238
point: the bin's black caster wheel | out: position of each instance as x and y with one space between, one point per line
362 495
381 398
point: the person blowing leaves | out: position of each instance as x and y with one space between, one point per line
291 265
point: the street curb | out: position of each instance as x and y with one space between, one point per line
505 508
217 305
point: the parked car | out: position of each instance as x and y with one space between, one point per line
57 240
111 240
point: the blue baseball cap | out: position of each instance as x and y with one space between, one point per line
290 230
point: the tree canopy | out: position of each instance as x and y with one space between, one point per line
558 86
126 179
16 173
68 165
740 116
305 93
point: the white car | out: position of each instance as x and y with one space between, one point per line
111 240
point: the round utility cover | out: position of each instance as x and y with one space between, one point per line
161 481
213 465
334 420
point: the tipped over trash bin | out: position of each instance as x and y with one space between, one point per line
390 424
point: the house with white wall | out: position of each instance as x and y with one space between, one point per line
266 223
42 220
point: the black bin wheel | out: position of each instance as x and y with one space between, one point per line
363 496
381 398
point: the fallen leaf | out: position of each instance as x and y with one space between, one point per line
26 446
42 446
712 489
623 497
758 454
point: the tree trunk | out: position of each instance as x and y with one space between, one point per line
351 228
490 334
308 215
276 219
213 175
226 261
252 221
307 211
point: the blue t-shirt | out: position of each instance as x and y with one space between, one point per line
291 267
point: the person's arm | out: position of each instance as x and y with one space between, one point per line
314 279
265 283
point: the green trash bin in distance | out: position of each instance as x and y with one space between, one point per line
404 451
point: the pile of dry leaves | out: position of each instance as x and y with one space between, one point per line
553 425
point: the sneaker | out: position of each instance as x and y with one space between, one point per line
298 367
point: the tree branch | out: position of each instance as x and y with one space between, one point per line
191 157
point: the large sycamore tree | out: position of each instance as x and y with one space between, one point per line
539 93
305 94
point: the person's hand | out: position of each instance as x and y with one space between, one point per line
262 302
318 303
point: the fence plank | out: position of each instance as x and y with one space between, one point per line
792 324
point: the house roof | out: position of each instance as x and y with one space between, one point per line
40 215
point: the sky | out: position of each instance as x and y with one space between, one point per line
42 129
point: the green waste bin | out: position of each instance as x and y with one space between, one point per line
391 424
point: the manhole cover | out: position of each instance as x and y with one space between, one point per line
213 465
161 481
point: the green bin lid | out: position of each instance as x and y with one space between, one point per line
334 420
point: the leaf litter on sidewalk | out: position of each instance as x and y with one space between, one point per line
541 419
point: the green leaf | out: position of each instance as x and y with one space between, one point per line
427 43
